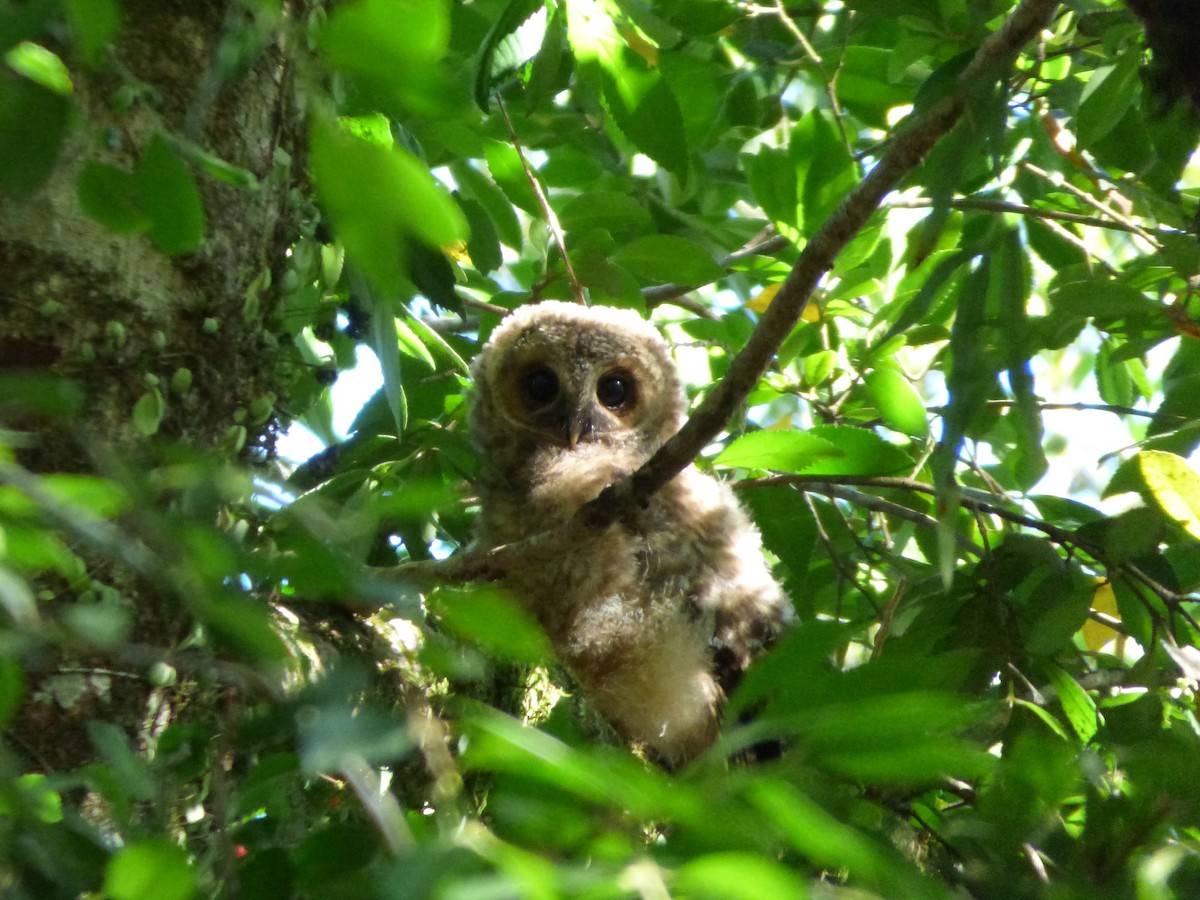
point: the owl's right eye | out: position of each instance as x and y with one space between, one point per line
539 387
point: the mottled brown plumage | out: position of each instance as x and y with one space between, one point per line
655 616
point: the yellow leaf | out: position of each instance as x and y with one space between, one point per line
760 301
640 46
1096 635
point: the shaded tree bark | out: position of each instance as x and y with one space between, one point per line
119 318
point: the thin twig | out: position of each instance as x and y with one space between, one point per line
1005 206
969 499
1117 217
666 293
544 203
1080 407
904 153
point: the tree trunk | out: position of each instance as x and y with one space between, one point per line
189 336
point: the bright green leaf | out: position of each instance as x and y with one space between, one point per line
378 198
898 402
1106 98
861 452
782 451
1173 486
738 876
151 869
495 621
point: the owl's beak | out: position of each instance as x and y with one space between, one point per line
578 427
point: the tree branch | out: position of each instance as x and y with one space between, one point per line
903 154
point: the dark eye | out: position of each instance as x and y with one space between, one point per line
614 391
539 386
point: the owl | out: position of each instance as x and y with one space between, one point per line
657 615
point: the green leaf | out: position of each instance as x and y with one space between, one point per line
151 869
1166 481
1079 707
1107 96
1099 298
110 196
40 66
668 259
645 109
365 35
639 98
373 40
385 340
494 621
483 246
171 199
773 179
148 412
99 496
33 123
861 452
507 45
1009 290
478 187
245 627
781 451
828 170
377 198
504 162
604 210
737 876
94 25
124 764
898 402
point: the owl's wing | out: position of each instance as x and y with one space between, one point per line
736 591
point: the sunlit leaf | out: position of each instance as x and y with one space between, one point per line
640 99
783 451
1165 480
150 869
899 404
738 876
494 621
377 198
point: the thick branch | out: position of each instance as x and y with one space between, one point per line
903 154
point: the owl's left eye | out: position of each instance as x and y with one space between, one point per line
614 390
540 386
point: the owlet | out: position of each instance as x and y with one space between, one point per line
657 615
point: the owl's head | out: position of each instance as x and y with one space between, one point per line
564 376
